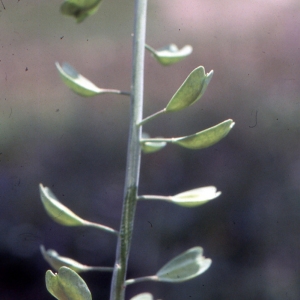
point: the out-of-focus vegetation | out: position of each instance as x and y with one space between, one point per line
50 135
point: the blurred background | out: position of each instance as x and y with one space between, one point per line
77 146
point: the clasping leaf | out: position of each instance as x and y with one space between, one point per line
191 90
67 285
185 266
170 54
80 9
150 147
205 138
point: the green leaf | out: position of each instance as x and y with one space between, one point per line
150 147
63 215
57 211
191 90
170 54
80 9
196 197
185 266
205 138
56 261
67 285
143 296
76 82
189 198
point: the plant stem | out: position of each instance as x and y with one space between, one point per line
133 153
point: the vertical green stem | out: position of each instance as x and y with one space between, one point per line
133 153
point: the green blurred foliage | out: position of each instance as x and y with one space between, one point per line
78 146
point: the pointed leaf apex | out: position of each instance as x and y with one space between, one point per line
209 76
205 138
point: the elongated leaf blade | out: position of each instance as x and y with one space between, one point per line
191 90
196 197
67 285
56 261
185 266
170 54
76 82
80 9
205 138
57 211
143 296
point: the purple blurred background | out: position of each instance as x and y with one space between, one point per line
78 146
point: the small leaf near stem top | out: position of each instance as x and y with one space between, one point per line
80 9
170 54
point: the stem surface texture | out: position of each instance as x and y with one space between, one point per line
133 153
